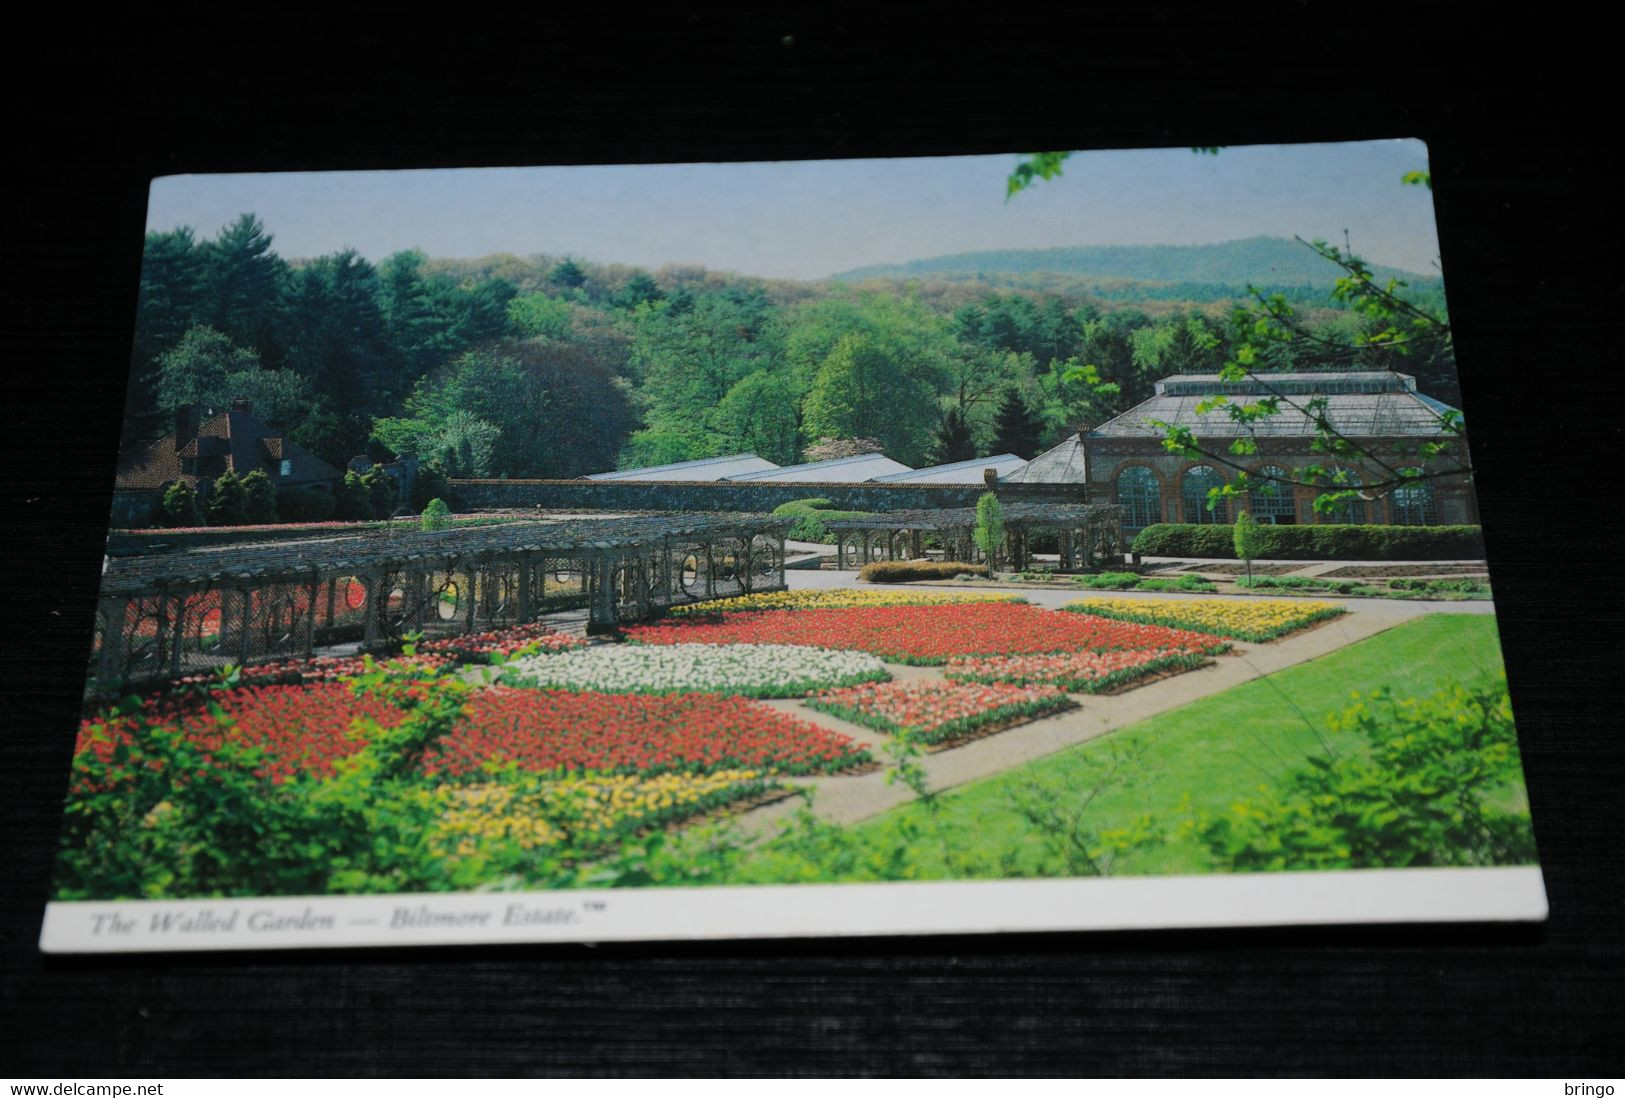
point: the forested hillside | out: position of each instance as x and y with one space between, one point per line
1202 270
557 366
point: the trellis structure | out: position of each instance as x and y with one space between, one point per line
1089 534
169 615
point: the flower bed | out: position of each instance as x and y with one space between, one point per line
586 811
932 712
924 634
1079 672
509 643
563 732
1252 620
836 599
299 728
318 669
749 670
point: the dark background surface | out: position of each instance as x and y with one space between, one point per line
1526 217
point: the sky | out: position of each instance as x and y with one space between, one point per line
814 218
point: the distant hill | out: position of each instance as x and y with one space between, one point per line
1260 260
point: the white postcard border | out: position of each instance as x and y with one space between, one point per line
1369 896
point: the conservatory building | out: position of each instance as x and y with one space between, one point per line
1388 422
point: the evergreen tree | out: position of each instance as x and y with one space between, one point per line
954 442
259 498
180 506
228 502
1015 429
568 274
244 282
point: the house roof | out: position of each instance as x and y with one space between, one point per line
1061 464
712 468
232 440
957 472
1359 404
847 470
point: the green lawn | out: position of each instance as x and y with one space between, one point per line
1199 758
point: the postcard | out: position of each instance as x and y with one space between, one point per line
1048 541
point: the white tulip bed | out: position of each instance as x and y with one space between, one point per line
747 670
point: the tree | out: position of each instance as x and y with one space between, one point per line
1246 539
244 281
353 502
862 391
463 446
989 530
568 274
760 415
197 369
954 441
1015 429
180 506
259 498
228 502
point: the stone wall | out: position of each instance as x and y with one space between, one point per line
671 495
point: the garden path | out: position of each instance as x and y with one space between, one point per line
849 799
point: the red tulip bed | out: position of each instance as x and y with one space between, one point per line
1079 672
935 712
564 732
301 728
929 635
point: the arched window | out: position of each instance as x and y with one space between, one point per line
1139 493
1271 496
1352 510
1193 492
1413 505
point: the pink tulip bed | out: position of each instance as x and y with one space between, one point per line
1078 672
937 712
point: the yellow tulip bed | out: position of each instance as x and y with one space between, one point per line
499 822
1244 619
837 599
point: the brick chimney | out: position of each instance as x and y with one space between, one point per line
187 418
990 476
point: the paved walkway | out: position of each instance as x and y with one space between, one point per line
849 799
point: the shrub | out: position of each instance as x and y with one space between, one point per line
1177 583
429 484
180 506
811 515
1431 788
228 503
1327 542
1110 581
436 516
901 571
383 494
259 498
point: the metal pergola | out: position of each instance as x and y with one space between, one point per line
1088 533
166 615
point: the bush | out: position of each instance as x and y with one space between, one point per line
259 498
810 516
1110 581
305 504
180 506
436 516
1328 542
1437 784
901 571
228 502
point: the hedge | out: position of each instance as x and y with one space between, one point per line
810 516
1329 542
901 571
